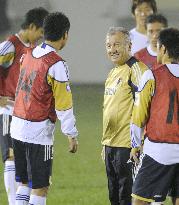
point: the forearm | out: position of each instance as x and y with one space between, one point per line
141 111
67 119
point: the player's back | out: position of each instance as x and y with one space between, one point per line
34 97
163 124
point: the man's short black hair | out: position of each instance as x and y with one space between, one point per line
153 18
55 26
35 16
136 3
169 37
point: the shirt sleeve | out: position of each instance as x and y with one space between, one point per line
7 54
141 107
58 79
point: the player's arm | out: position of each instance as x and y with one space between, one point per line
141 109
59 81
7 54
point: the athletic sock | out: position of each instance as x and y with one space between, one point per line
22 195
9 181
37 200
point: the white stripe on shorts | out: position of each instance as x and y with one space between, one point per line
5 124
48 152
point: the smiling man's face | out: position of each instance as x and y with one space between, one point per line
117 49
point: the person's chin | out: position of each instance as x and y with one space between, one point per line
115 61
154 44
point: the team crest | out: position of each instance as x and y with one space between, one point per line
68 88
119 81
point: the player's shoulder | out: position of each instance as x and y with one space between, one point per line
141 52
53 57
13 38
6 47
17 41
134 63
59 71
159 68
137 67
143 67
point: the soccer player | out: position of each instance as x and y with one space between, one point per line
11 51
160 165
120 87
140 10
43 93
148 55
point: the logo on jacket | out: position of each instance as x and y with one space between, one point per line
112 91
68 88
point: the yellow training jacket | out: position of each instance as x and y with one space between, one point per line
120 87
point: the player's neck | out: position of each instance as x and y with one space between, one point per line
123 61
167 60
57 45
154 49
141 29
53 44
23 36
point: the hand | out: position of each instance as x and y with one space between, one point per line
134 155
73 144
10 102
3 101
103 153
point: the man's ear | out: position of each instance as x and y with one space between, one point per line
65 36
164 50
130 46
32 26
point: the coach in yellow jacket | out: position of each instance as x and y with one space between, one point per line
121 91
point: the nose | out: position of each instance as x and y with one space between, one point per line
155 35
113 48
41 35
142 14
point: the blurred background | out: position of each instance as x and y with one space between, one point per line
90 20
80 179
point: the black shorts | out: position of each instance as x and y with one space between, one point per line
5 138
153 180
33 163
174 191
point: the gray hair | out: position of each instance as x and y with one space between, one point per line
125 32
